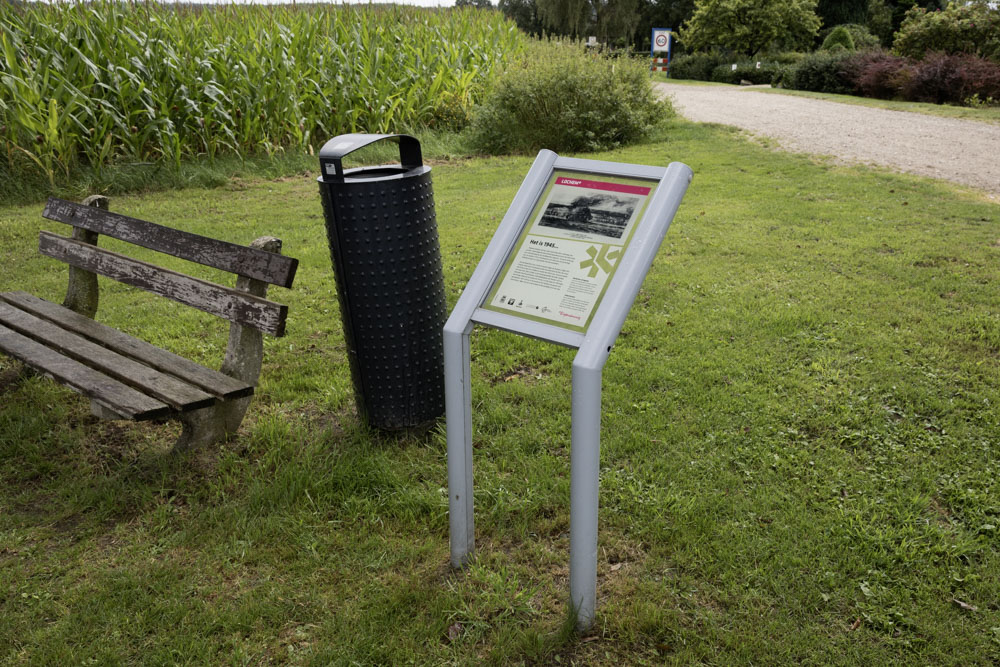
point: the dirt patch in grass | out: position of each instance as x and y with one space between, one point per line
526 374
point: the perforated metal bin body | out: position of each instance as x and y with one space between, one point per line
382 231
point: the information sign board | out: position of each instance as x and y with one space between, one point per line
566 255
565 265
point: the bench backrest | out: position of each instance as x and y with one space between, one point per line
231 304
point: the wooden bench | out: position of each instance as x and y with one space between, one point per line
127 378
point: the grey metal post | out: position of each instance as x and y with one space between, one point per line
585 467
458 419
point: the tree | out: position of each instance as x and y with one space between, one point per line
617 20
567 17
524 13
748 26
481 4
899 8
969 27
838 12
879 21
662 14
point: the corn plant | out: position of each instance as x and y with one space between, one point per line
105 82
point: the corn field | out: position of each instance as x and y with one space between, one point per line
106 82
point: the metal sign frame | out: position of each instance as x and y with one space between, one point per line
594 345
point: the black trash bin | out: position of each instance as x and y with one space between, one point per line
382 230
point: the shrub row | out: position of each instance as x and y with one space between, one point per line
719 68
696 66
938 78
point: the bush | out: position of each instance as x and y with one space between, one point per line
568 101
875 73
823 72
839 36
941 78
782 76
787 57
696 66
960 28
746 71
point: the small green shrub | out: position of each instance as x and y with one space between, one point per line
861 37
823 72
839 36
696 66
568 101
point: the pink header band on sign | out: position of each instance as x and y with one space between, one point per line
602 185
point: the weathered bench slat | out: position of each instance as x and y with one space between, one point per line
243 260
176 393
112 394
214 382
230 304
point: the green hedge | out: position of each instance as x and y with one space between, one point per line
822 71
696 66
746 71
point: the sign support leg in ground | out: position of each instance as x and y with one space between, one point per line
585 468
458 416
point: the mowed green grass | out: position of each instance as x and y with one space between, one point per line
799 449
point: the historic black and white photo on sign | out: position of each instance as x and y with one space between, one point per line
601 213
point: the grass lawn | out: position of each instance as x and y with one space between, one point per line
799 460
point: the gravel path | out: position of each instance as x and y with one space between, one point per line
963 151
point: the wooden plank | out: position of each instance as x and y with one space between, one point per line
245 261
214 382
108 392
230 304
172 391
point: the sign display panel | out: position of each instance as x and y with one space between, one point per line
569 248
661 40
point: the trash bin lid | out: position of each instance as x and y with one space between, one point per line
332 154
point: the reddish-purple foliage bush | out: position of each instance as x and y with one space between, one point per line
941 78
875 73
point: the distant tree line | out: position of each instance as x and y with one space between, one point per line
627 23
